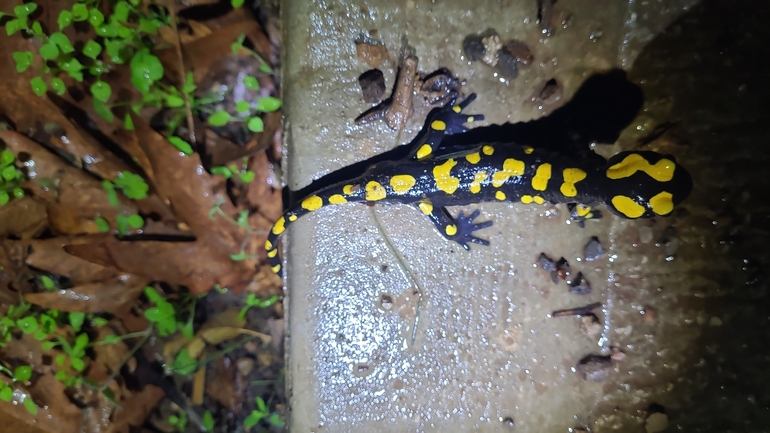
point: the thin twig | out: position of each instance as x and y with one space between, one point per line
182 75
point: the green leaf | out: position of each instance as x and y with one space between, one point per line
101 91
253 419
103 110
109 30
65 46
79 12
251 83
71 65
247 177
145 70
59 360
6 393
30 405
242 106
220 118
27 324
239 257
99 321
77 364
222 171
208 421
81 342
92 49
38 86
76 320
135 3
48 345
61 376
122 223
150 25
128 122
48 283
102 225
49 51
255 124
24 9
180 144
261 405
132 185
37 29
268 104
112 197
183 363
135 221
58 86
65 19
114 49
95 17
121 10
275 419
6 157
125 33
23 60
18 192
22 373
153 295
174 101
236 3
8 173
111 339
15 25
236 46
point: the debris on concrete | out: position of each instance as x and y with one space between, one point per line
372 84
371 50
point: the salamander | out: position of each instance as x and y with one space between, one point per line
631 184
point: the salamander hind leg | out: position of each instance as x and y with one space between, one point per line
446 120
460 229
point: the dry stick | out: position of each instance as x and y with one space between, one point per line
404 270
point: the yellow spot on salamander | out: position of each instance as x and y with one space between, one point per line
488 150
627 206
276 269
268 245
425 207
424 151
470 119
438 125
527 199
473 158
312 203
457 109
272 253
662 203
293 218
500 195
479 177
571 177
279 226
528 150
375 191
511 168
444 180
337 199
662 171
402 183
537 199
350 189
451 230
542 176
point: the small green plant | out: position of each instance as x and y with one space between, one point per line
178 421
22 373
133 187
208 421
262 412
243 174
252 301
183 364
10 178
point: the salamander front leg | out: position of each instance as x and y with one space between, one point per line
582 213
446 120
458 229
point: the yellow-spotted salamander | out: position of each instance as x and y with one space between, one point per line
632 184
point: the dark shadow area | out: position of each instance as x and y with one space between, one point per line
603 106
705 85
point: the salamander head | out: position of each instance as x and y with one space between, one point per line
645 184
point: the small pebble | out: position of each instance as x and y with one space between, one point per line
593 249
372 84
656 422
645 235
595 368
245 365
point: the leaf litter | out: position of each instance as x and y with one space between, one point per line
126 197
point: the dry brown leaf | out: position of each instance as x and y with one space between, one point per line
222 385
98 297
55 411
49 255
108 358
135 410
24 217
199 386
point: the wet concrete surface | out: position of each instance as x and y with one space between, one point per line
684 299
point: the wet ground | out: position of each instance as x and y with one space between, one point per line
684 299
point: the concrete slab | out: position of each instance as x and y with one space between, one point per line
486 354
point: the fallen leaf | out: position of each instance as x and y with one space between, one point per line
23 217
97 297
49 255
